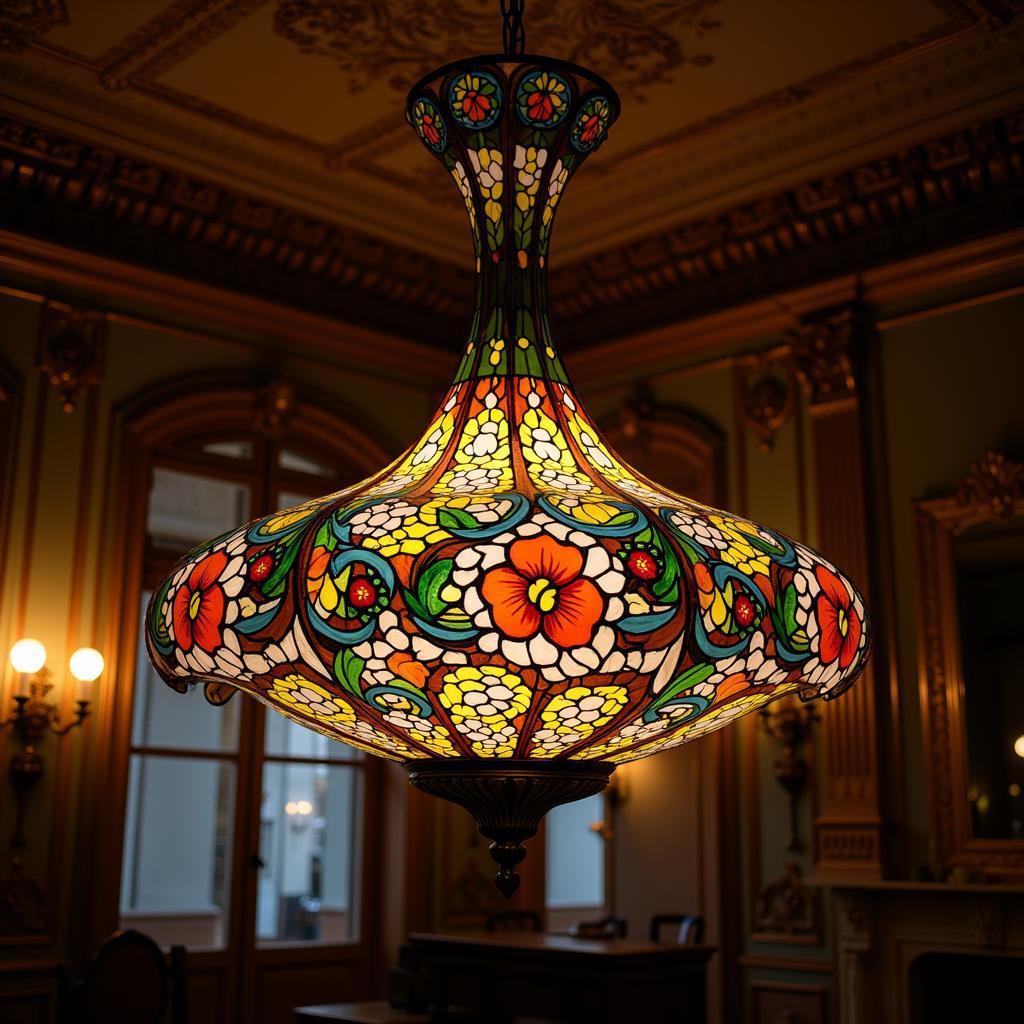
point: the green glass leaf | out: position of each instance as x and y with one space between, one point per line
694 675
348 670
456 519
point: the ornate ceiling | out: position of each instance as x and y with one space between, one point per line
298 103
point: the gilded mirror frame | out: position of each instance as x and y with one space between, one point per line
992 493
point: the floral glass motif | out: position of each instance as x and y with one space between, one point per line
543 98
429 125
591 124
475 99
509 587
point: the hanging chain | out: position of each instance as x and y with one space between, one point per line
513 35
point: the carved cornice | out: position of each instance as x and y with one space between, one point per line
95 199
939 193
22 22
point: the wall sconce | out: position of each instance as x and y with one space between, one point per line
615 795
790 725
34 715
299 812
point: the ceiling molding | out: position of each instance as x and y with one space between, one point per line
370 172
941 193
92 198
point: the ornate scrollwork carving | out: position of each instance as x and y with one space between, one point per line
22 22
787 906
72 349
397 39
767 399
824 354
994 482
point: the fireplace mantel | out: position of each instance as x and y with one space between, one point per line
883 926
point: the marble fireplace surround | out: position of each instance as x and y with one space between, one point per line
883 927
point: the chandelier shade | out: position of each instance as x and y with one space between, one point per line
509 594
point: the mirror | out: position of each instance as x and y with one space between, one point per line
971 635
989 574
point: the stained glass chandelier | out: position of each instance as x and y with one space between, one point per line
509 609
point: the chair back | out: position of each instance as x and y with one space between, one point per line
611 927
688 928
129 982
513 921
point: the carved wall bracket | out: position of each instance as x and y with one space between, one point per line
72 349
767 398
790 724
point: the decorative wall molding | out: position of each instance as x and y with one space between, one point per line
851 834
952 188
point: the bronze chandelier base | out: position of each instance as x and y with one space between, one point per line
508 798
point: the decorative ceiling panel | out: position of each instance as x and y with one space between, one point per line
300 101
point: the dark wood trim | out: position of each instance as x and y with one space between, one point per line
941 192
774 963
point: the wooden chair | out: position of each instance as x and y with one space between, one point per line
513 921
611 927
129 981
689 928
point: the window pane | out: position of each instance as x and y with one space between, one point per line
289 499
177 849
230 449
575 855
303 464
309 824
285 738
162 717
185 508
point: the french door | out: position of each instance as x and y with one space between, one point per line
248 839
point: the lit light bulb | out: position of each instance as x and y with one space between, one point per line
29 656
1018 743
291 807
86 664
304 807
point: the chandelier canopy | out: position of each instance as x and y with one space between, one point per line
508 608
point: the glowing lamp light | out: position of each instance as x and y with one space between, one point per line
509 608
1018 746
28 656
86 664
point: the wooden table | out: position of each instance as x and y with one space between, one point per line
556 978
